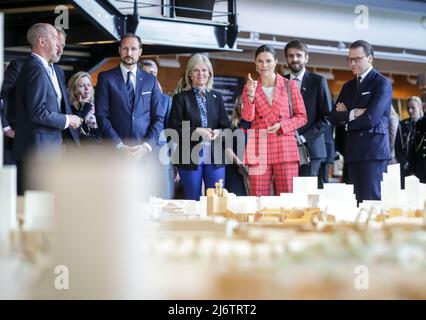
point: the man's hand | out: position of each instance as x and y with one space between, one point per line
138 151
125 149
251 86
10 133
340 106
359 112
274 128
75 121
206 133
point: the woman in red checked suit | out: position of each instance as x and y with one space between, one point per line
271 151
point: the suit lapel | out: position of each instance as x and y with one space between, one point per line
197 115
363 85
119 80
140 77
305 85
211 107
37 60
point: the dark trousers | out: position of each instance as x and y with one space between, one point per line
366 177
7 151
311 170
324 173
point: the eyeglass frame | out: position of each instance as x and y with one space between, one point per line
355 59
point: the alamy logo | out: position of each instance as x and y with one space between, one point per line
361 21
62 279
62 20
361 281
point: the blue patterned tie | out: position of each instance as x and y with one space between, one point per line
130 90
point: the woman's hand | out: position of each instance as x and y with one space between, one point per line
274 128
251 86
83 100
206 133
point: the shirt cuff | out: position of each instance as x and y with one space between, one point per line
352 115
7 128
119 146
148 146
67 121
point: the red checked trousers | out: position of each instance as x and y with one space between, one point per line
260 177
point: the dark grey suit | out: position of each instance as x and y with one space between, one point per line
39 121
318 104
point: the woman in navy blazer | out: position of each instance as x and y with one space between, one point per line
198 115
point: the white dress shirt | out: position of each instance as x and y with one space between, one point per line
124 71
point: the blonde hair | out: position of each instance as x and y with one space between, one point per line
415 99
195 59
72 87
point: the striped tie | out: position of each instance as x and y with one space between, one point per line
130 90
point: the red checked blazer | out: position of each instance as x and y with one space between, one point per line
280 146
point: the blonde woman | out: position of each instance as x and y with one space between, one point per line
200 110
81 93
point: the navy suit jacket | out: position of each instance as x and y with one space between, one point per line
318 104
367 135
8 92
166 103
39 121
116 120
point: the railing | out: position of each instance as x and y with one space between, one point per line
203 10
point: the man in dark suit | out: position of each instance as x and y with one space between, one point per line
317 99
128 102
8 95
8 114
405 137
363 106
166 104
44 120
324 172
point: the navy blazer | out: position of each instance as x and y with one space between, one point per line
8 92
166 103
39 121
116 120
367 135
185 108
318 104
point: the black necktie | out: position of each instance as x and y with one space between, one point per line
358 82
130 90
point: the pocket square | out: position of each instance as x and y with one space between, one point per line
365 93
214 96
146 92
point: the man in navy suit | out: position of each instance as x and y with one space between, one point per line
166 103
8 95
363 107
317 99
44 119
128 102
